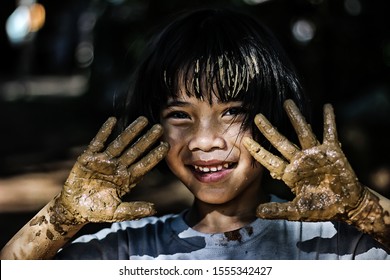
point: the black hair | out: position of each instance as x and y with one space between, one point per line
216 51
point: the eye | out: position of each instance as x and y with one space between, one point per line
178 115
234 111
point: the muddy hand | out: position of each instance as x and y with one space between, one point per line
101 176
324 184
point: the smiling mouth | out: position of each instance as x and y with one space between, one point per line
213 168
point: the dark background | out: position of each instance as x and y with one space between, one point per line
58 87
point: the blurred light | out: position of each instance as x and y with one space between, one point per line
12 91
44 86
353 7
87 22
24 21
381 178
303 30
355 136
18 24
37 15
84 54
255 2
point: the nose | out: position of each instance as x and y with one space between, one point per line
206 138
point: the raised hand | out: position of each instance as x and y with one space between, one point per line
324 184
102 175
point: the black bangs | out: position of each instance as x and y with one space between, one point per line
227 76
216 52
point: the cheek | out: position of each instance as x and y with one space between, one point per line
176 141
175 138
238 137
245 155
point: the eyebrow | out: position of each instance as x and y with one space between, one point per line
172 103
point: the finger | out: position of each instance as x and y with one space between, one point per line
274 164
133 210
275 210
142 145
97 143
330 132
306 137
128 135
280 142
139 169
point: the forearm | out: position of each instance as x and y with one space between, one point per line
42 236
372 216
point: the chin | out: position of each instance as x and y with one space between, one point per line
216 197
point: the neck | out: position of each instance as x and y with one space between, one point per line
211 218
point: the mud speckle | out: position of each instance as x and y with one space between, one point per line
234 235
49 235
38 221
249 230
59 218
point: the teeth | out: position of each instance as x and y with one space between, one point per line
211 168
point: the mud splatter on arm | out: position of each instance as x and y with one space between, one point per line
93 190
39 238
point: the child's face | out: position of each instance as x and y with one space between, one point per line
206 152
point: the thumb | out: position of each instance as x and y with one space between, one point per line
127 211
276 210
133 210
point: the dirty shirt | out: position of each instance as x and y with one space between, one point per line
169 237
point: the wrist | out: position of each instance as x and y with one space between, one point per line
62 218
364 210
371 217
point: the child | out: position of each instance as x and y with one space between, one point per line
204 79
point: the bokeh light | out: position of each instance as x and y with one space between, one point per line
303 30
26 19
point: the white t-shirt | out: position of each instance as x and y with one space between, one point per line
169 237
